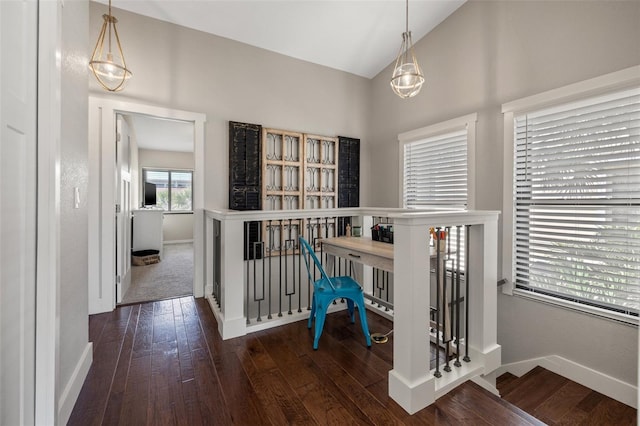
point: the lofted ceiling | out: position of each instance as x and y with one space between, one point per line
361 37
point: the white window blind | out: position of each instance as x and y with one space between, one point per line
435 171
577 201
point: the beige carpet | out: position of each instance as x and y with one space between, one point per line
171 277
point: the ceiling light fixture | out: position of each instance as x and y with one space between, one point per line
109 67
407 77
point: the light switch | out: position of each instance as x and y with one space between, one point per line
76 197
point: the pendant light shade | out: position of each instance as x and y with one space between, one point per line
109 66
407 77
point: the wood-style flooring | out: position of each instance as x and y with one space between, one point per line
164 363
559 401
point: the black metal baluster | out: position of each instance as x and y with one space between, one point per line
270 249
289 242
296 247
309 289
438 267
386 308
457 295
280 270
247 247
466 295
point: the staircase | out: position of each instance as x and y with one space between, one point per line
554 400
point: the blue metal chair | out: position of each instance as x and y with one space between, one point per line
326 290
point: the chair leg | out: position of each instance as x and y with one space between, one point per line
320 317
363 319
313 310
351 311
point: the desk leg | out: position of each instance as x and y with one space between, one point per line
329 266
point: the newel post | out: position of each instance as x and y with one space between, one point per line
234 322
411 383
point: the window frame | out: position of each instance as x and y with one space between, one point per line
620 80
467 122
169 171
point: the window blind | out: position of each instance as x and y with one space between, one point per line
435 171
577 201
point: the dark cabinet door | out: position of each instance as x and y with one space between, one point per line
348 172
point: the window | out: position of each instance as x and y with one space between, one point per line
576 202
173 188
436 163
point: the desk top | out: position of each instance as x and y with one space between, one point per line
369 246
362 244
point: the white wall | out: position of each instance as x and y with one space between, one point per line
73 243
226 80
488 53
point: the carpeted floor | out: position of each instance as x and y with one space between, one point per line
171 277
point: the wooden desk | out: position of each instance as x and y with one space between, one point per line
379 255
359 249
366 251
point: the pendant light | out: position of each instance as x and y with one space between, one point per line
407 77
107 65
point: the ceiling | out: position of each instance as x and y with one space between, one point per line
361 37
162 134
357 36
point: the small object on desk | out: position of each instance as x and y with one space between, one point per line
357 231
348 231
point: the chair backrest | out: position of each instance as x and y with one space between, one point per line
307 251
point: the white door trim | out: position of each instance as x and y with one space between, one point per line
48 213
101 198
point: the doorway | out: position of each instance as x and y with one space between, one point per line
104 196
155 159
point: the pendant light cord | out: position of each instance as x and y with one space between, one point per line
406 17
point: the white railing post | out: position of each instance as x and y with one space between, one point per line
234 322
411 383
209 237
483 276
367 271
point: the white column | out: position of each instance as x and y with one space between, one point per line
233 322
411 383
209 236
483 278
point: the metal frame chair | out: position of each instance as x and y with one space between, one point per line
326 290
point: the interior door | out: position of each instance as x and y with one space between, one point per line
18 144
123 207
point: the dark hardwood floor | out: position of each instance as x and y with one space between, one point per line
164 363
560 401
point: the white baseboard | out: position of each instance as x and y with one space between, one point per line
606 385
74 386
178 241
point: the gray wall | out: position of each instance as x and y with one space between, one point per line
73 294
226 80
485 54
